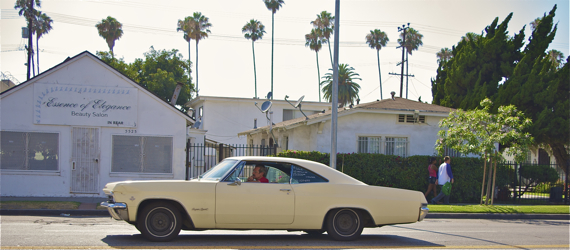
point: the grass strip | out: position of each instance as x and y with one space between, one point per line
505 209
39 205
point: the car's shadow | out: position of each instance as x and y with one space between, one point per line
249 239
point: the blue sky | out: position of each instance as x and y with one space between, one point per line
225 62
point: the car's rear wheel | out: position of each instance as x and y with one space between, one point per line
159 221
344 224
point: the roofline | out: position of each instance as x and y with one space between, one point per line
204 98
70 60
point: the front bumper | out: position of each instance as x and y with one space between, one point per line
424 210
118 210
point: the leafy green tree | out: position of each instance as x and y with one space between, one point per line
314 41
200 31
478 131
111 30
347 88
539 87
254 31
377 40
158 72
273 6
478 64
26 8
325 23
42 26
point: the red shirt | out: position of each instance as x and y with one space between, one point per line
432 172
264 180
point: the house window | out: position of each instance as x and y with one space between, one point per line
142 154
451 152
410 119
397 146
29 151
369 145
287 114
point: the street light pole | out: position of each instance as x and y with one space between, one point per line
334 117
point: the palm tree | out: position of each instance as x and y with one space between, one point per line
273 6
314 42
556 57
199 31
413 42
42 26
535 23
111 30
254 31
27 10
186 27
347 88
444 55
377 39
325 22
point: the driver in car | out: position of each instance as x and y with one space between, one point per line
258 175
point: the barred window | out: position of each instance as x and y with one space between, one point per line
410 119
369 145
451 152
142 154
29 151
397 146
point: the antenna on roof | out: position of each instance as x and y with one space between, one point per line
265 107
297 105
269 96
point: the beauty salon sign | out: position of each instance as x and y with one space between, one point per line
85 105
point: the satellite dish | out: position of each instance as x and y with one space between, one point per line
269 95
298 103
265 106
197 125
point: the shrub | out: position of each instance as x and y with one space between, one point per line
409 173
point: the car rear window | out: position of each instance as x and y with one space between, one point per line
301 175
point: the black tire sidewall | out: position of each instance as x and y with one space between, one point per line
161 209
337 233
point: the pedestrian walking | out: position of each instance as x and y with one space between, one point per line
444 176
432 170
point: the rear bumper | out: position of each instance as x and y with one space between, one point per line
118 210
424 210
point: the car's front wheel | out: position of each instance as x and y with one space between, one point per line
344 224
159 221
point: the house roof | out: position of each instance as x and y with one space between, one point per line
387 106
189 120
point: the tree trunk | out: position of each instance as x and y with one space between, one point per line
483 183
319 75
487 193
330 53
561 155
189 69
494 178
38 52
379 73
197 89
30 48
254 71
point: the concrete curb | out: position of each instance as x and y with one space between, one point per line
483 216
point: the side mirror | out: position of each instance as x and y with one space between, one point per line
237 182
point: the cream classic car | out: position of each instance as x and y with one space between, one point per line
299 195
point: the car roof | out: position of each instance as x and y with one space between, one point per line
333 175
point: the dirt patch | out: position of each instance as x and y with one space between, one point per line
39 205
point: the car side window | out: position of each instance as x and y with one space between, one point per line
301 175
237 173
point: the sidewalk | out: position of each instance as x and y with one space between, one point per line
88 208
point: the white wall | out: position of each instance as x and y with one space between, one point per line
155 118
224 118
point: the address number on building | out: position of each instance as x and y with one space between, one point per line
130 131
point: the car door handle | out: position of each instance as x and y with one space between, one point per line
285 190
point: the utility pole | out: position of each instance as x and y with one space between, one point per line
334 115
403 28
30 48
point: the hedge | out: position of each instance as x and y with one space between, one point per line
410 172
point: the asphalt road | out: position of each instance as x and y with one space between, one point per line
62 232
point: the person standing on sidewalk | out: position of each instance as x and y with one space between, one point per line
444 175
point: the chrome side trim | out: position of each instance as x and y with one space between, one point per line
424 210
117 210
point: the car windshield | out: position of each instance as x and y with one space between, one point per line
220 170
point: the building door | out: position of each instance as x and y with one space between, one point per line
85 160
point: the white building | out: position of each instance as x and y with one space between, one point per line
225 117
390 126
81 124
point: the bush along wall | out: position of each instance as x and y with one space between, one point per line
409 173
